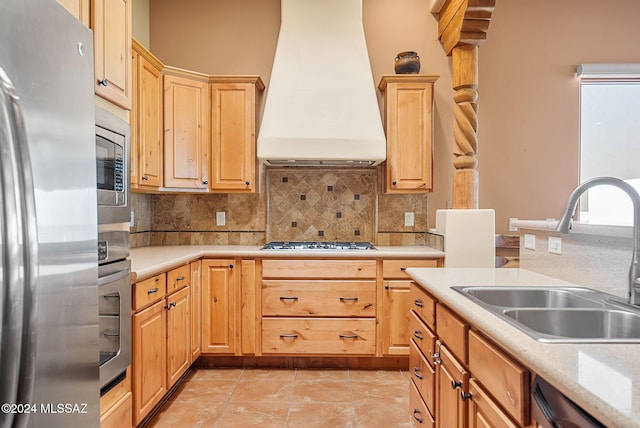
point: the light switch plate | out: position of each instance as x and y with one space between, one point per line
529 241
221 218
555 245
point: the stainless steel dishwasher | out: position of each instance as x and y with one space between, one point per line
552 409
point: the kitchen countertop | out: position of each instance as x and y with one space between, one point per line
604 379
149 261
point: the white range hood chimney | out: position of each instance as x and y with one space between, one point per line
321 106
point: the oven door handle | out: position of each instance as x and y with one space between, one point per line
104 280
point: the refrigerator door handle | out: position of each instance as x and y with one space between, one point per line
20 248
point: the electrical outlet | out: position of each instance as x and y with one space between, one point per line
408 218
512 228
555 245
221 218
529 241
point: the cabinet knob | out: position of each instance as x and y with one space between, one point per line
455 384
103 82
231 266
247 183
387 287
205 182
394 183
466 395
144 177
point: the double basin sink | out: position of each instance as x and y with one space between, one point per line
562 315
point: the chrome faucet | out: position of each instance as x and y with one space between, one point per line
565 224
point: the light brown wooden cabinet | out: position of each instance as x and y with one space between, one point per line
161 331
476 383
196 309
312 307
234 100
220 295
149 329
396 304
146 120
111 24
78 8
116 405
408 117
186 129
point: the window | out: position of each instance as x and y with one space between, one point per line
609 139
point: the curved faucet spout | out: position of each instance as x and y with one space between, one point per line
565 223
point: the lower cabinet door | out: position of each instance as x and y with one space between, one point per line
178 332
149 359
484 412
451 380
319 336
420 415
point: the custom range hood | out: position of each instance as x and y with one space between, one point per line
321 107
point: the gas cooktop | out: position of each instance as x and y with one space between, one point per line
318 246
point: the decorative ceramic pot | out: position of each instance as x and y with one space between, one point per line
407 63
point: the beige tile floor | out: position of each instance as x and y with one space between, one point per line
288 398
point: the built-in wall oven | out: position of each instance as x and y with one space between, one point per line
114 271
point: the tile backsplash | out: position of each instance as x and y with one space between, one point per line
296 204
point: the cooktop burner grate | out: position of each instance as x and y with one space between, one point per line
276 245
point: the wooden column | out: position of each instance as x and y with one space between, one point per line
462 27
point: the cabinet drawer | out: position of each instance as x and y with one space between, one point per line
452 331
422 336
423 375
178 278
319 298
419 413
507 381
318 336
423 304
149 291
396 268
324 269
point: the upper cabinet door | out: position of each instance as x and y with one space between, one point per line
111 26
186 131
233 133
409 129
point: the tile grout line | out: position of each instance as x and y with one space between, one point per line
226 404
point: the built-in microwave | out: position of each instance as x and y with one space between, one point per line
112 167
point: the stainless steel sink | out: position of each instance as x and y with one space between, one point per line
591 324
561 314
536 297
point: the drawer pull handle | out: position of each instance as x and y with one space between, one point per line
109 334
417 335
418 303
349 299
466 395
349 336
416 373
180 278
417 412
170 305
153 290
288 336
288 298
455 384
403 269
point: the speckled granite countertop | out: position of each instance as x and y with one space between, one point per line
148 261
604 379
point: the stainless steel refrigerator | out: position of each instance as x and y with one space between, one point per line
48 233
